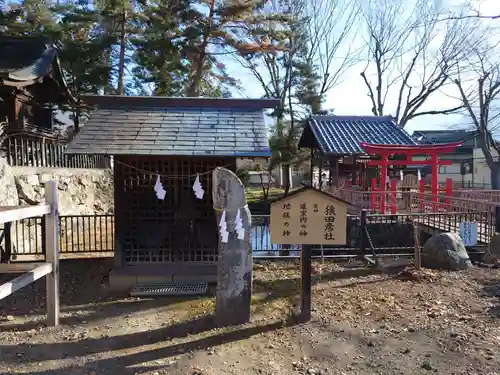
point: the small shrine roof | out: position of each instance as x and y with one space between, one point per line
343 135
136 125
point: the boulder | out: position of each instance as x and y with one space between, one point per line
492 255
495 245
445 251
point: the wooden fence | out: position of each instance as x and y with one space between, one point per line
25 151
49 268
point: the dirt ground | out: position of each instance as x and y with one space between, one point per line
404 323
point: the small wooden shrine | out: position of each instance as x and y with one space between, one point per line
336 152
32 85
175 140
371 152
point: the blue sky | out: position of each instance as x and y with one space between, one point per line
350 96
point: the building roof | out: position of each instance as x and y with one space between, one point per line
342 135
127 125
24 60
446 136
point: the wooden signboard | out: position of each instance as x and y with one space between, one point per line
309 217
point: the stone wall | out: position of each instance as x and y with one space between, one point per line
80 192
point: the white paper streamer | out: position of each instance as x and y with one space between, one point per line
158 188
239 226
197 188
224 237
223 228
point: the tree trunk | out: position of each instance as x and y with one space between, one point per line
234 270
121 62
194 87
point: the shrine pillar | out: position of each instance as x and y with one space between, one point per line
383 181
434 177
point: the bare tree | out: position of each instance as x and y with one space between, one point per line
318 34
318 37
330 26
469 10
478 86
411 54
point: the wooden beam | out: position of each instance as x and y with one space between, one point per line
25 279
52 253
18 267
14 213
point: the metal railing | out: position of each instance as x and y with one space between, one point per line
25 151
93 236
78 234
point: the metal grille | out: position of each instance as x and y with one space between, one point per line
170 288
180 228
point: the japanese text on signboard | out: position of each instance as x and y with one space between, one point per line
309 218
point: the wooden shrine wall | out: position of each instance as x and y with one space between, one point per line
180 228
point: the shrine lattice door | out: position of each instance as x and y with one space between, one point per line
180 228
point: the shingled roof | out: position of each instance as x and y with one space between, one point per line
127 125
342 135
446 136
25 60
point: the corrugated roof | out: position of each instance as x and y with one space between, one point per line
342 135
173 126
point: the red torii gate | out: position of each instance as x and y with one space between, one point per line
385 151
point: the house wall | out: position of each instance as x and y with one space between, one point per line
452 171
251 163
258 178
482 174
297 176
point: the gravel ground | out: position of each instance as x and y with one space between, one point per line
409 322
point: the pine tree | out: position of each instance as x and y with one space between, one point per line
28 18
159 42
221 29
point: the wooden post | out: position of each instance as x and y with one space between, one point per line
362 238
422 195
416 243
434 178
383 182
305 283
7 238
449 192
234 271
394 188
311 177
320 177
52 253
374 195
